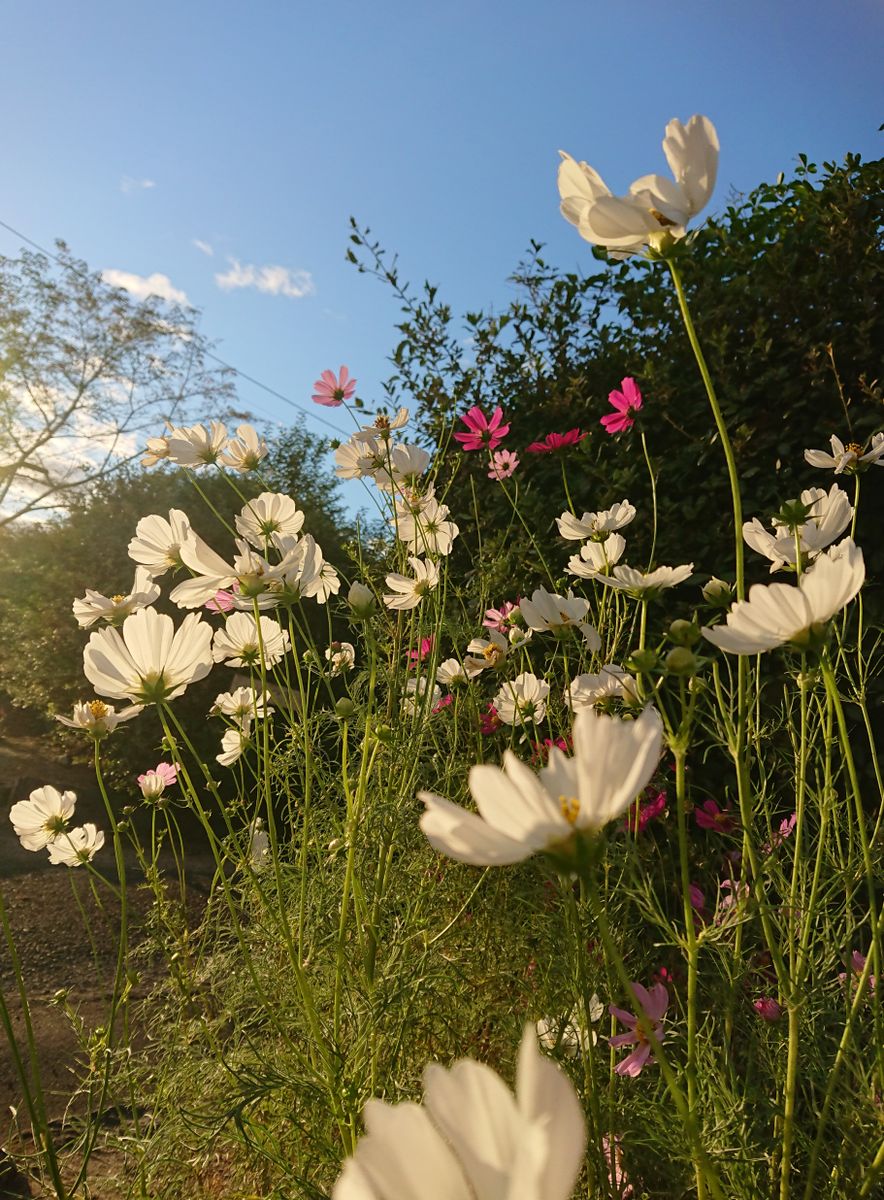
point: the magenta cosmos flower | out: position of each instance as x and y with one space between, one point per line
482 434
768 1008
556 441
626 402
710 816
652 1005
332 390
502 464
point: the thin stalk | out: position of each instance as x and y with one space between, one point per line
653 479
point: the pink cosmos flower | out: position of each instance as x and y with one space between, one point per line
710 816
489 721
556 441
221 602
443 703
857 966
652 1006
154 783
768 1008
332 390
644 811
496 618
626 403
423 651
780 835
540 750
620 1184
502 464
483 434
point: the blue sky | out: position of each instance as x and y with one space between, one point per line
262 127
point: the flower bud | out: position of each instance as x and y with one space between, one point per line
768 1008
345 708
684 633
361 600
717 592
642 662
384 733
681 661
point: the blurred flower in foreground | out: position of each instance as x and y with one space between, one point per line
482 433
626 404
41 818
655 209
777 613
472 1139
332 390
651 1006
849 457
522 813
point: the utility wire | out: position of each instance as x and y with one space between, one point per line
208 353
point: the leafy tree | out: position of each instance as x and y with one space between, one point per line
85 371
786 289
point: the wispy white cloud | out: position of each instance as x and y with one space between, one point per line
204 247
128 184
273 279
143 286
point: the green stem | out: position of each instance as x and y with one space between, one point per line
653 479
719 425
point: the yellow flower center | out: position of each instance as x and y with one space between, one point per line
118 599
854 448
658 216
98 709
570 807
493 654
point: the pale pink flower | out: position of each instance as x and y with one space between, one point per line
626 404
501 618
154 782
620 1184
503 463
483 434
221 602
332 390
652 1006
857 966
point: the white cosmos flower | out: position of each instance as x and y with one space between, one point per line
777 613
522 813
416 692
451 672
584 691
267 514
643 584
97 718
157 448
847 457
239 644
303 573
490 651
245 451
547 611
242 705
522 700
830 514
472 1139
342 656
114 609
233 744
42 817
76 846
150 660
196 446
404 467
597 558
425 530
655 206
359 458
408 592
596 525
567 1035
157 542
256 579
382 427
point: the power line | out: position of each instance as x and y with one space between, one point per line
208 353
